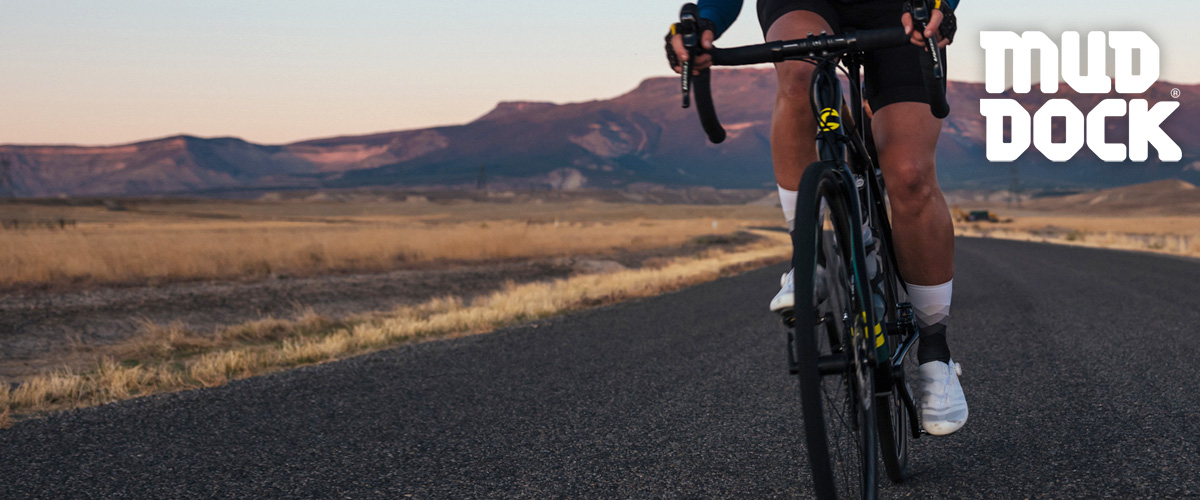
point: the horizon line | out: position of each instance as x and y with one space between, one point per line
185 135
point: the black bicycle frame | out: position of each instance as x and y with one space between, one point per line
834 144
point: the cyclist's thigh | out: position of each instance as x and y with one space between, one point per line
789 20
906 137
891 75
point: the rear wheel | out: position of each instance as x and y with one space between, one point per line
891 413
837 381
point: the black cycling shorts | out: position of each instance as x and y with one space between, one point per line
890 75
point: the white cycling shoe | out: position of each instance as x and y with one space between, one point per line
786 298
943 405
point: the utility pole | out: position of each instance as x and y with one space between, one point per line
1014 187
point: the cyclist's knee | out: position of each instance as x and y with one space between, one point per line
795 79
912 184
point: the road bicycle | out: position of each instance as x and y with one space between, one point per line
850 334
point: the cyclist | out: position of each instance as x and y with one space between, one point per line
906 137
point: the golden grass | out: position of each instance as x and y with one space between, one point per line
168 358
1176 235
136 247
216 368
5 410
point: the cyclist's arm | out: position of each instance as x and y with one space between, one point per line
721 12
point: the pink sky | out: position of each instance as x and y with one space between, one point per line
275 71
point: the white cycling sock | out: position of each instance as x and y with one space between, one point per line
931 304
787 200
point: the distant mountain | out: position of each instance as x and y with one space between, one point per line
640 138
1165 197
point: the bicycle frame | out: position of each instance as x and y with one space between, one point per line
834 144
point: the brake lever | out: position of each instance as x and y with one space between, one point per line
689 22
931 44
920 14
685 83
921 18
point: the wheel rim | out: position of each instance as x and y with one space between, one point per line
899 413
847 397
894 436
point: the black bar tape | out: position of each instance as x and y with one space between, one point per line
868 40
701 86
741 56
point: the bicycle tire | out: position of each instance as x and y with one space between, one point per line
831 336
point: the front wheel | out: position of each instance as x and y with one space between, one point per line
837 381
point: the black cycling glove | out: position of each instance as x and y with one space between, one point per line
705 25
949 24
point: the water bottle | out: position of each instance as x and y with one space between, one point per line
874 271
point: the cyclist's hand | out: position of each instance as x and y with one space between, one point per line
676 52
917 37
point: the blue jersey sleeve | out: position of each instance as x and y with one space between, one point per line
721 12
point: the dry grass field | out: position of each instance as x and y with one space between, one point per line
1178 235
1169 234
1161 217
59 246
169 358
151 242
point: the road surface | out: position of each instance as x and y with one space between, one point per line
1079 365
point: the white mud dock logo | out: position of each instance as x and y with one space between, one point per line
1145 122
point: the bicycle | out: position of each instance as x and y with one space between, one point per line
850 348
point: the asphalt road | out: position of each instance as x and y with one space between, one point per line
1079 365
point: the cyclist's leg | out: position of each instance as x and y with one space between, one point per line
792 124
906 136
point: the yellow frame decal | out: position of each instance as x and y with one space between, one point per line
830 119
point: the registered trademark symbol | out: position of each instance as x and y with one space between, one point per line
1175 93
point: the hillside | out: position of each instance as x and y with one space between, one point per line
1165 197
641 137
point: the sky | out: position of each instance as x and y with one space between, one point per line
273 72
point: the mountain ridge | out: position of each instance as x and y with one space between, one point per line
640 136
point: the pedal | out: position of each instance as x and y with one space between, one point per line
788 318
914 416
905 319
793 366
